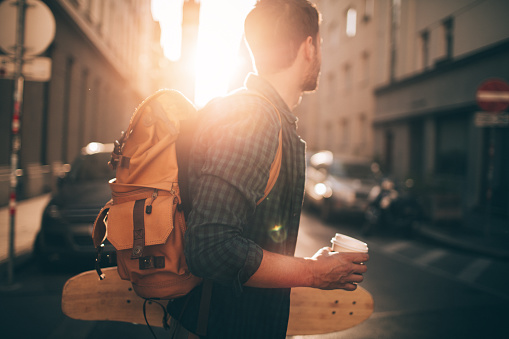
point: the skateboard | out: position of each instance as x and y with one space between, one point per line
312 311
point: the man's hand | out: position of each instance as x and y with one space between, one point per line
325 270
338 270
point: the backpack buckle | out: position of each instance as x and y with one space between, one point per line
151 261
116 155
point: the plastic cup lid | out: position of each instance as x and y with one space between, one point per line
349 240
349 243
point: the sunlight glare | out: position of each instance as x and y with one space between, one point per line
169 16
219 38
220 34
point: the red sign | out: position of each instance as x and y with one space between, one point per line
493 95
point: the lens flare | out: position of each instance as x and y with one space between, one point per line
278 233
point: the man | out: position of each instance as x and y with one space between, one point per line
244 248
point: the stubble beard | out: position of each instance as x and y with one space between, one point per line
310 82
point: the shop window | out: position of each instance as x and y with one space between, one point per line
452 141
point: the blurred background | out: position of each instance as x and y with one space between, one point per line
408 130
398 85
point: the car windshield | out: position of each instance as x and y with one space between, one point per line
91 167
351 170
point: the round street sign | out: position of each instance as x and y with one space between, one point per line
493 95
39 27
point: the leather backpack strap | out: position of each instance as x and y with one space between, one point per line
275 167
203 313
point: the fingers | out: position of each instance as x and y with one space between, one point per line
353 256
339 270
350 282
355 278
358 257
349 287
360 268
363 258
322 252
345 286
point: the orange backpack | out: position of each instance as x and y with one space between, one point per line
144 220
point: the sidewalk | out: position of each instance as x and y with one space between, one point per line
27 224
477 233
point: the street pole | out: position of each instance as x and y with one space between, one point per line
15 132
489 193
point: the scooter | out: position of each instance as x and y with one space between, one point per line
392 208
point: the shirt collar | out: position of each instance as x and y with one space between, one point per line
259 84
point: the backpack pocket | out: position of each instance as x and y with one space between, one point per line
157 224
151 255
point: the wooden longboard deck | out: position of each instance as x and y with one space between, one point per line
312 311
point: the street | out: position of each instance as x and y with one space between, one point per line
421 290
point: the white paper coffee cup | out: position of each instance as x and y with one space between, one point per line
344 243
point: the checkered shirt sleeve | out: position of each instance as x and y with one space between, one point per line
235 145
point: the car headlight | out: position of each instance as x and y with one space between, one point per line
323 190
375 191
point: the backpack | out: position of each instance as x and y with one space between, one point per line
145 219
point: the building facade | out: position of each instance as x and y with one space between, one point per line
434 56
398 84
338 116
104 58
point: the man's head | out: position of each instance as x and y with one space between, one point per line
275 31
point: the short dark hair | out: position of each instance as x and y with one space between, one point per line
275 29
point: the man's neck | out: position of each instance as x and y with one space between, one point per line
286 86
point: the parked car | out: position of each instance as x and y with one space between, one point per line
339 184
67 220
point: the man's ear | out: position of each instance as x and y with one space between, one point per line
309 48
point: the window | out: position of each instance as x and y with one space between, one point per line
329 135
362 132
83 100
348 77
346 134
333 33
369 9
68 81
331 84
452 145
365 68
425 48
395 21
448 25
351 22
389 150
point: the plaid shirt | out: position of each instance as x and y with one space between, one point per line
235 145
